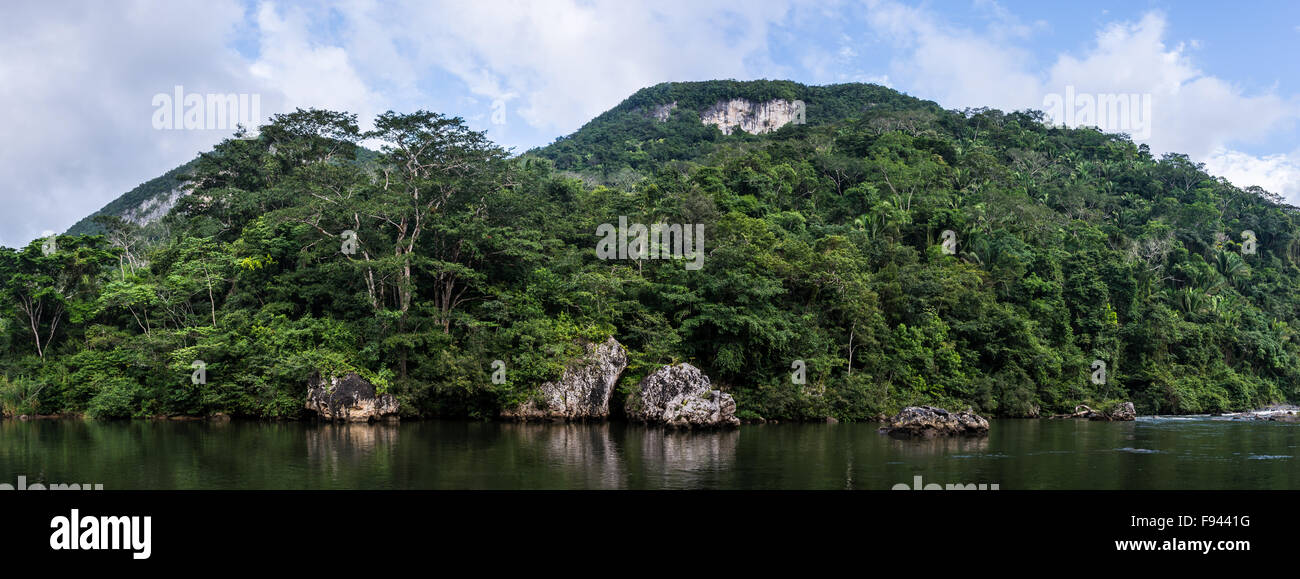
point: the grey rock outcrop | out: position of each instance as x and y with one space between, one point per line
662 112
348 398
583 392
681 396
927 421
1276 413
751 117
1119 412
1123 411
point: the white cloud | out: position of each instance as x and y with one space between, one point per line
1005 24
1193 112
76 85
305 73
954 67
567 60
1277 173
76 82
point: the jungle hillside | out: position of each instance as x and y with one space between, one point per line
898 252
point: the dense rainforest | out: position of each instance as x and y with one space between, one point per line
891 251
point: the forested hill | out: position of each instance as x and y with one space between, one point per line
895 252
631 136
143 207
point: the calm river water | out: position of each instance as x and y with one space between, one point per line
1152 453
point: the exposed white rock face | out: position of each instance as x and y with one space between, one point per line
154 209
583 392
661 112
751 117
681 396
349 398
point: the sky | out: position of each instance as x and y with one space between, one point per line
81 82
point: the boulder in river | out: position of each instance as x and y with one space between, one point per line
583 392
1119 412
681 396
348 398
928 421
1123 411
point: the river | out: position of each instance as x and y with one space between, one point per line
1151 453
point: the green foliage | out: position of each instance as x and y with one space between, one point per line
628 141
824 245
19 396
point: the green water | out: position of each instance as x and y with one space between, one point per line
1018 454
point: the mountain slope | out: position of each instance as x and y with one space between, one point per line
152 200
890 254
627 137
666 122
145 204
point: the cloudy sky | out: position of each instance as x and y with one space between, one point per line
78 80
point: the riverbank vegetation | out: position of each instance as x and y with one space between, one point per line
825 245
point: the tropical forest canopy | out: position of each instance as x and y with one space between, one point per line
823 241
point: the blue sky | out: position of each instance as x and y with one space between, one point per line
77 79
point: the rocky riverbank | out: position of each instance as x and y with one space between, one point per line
677 396
1279 413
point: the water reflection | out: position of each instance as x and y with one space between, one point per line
913 447
683 457
586 448
1017 454
346 443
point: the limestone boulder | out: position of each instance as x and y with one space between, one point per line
927 421
348 398
681 396
584 390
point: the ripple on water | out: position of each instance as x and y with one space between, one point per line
1139 450
1268 457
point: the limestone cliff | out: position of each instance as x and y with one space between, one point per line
751 117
